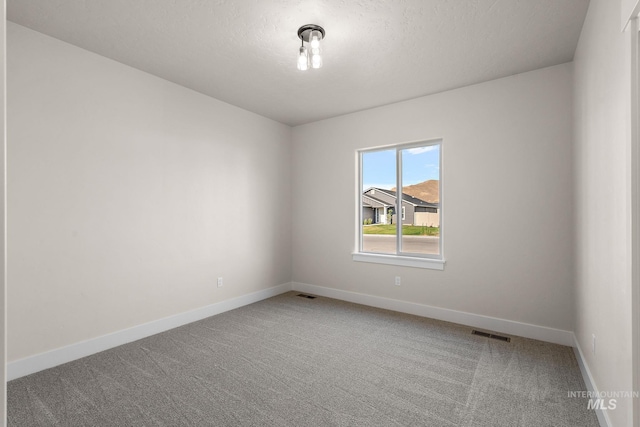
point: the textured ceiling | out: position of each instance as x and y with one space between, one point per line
375 52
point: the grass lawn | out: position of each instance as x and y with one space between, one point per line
407 230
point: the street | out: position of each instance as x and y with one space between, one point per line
412 244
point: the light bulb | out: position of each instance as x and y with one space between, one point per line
303 59
314 39
316 59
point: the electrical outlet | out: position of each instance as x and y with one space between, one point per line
219 282
593 343
397 280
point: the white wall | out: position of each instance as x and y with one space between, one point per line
128 195
507 194
627 8
603 189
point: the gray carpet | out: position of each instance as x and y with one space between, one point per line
291 361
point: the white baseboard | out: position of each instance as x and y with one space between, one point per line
510 327
589 383
49 359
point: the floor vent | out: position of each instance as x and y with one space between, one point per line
306 296
488 335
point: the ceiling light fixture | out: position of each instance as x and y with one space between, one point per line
313 35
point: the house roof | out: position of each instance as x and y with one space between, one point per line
405 197
370 201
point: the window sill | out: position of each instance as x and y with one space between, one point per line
405 261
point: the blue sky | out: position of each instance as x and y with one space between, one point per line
418 165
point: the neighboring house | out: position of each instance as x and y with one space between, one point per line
376 203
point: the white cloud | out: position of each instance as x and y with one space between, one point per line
420 150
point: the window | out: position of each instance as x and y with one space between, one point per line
404 178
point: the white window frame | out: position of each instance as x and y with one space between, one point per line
434 262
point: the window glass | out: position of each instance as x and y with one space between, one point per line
378 202
420 199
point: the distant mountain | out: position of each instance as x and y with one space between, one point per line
429 191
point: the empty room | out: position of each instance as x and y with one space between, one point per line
310 213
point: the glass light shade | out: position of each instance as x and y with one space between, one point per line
316 58
303 59
314 39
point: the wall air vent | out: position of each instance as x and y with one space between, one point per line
489 335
